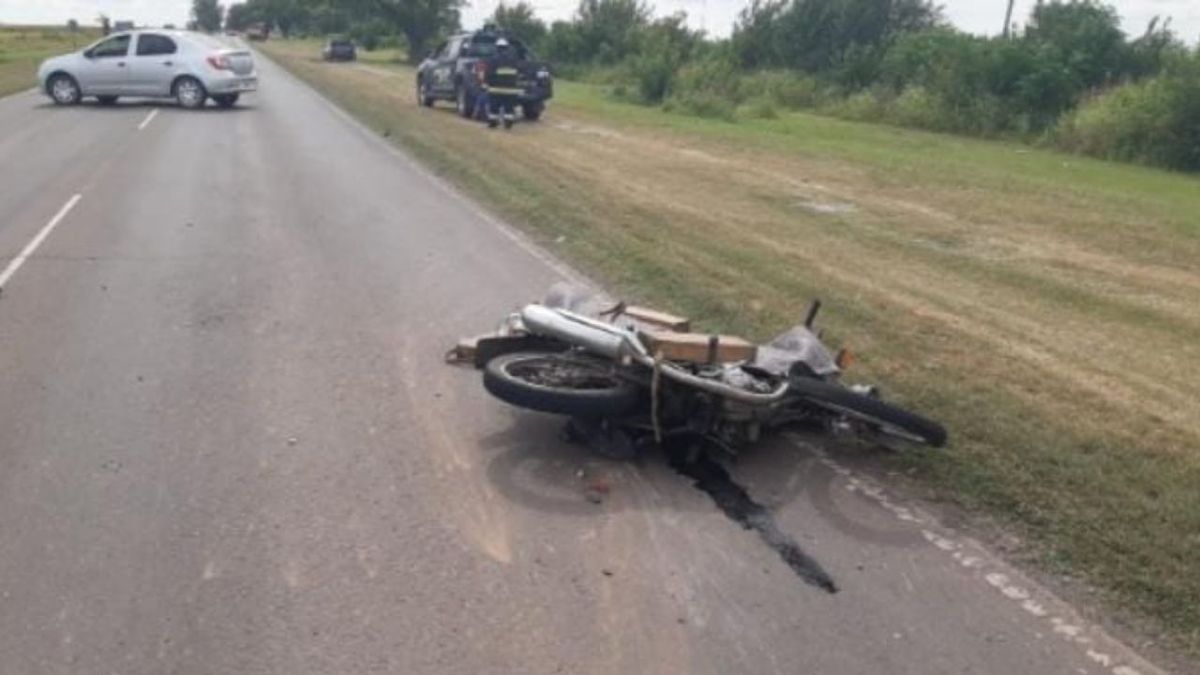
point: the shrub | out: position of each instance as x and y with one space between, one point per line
819 35
702 104
865 106
715 75
790 90
369 34
577 72
652 76
397 42
917 107
760 108
1155 121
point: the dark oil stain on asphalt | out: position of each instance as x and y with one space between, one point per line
712 478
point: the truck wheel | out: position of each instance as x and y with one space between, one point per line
466 103
423 97
533 111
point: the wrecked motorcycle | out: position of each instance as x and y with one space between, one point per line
628 377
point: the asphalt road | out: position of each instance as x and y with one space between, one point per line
228 444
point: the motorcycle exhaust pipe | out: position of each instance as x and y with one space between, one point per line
596 337
616 343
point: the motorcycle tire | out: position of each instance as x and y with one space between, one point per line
839 399
561 384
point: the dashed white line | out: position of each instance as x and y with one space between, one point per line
149 118
32 246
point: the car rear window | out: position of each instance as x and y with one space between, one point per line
484 46
150 44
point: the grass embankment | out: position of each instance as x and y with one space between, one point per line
22 48
1043 306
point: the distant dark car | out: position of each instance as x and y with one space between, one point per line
461 68
258 32
339 49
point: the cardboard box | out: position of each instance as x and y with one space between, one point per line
659 319
698 347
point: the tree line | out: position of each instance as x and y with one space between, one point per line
415 24
1068 75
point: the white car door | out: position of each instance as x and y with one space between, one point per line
105 67
154 65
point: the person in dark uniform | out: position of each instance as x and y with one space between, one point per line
502 87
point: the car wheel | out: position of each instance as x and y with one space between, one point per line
190 93
533 111
423 97
64 90
226 100
466 103
107 100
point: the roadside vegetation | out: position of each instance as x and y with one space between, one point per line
22 48
1067 76
1042 305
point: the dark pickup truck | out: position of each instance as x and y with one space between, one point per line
465 65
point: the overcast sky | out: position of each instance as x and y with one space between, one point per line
717 16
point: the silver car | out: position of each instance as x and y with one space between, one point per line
189 67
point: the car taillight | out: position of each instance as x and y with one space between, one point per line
481 71
219 62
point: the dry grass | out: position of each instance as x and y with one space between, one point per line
1044 307
22 48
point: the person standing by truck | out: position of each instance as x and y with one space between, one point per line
500 90
470 66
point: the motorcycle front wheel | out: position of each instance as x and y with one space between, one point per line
561 384
887 418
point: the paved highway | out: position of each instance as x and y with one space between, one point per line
228 444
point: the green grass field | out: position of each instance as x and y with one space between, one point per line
23 48
1043 306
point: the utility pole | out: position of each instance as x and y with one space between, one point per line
1008 18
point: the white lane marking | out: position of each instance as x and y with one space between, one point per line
149 118
1069 630
32 246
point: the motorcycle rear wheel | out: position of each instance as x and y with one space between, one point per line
887 418
561 384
